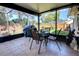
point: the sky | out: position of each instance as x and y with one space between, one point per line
64 14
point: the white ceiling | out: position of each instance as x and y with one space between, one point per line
41 7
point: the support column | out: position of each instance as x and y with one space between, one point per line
38 22
56 22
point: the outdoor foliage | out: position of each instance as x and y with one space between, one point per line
2 19
50 16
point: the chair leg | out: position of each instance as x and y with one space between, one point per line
29 39
58 46
46 41
60 43
31 44
37 42
39 47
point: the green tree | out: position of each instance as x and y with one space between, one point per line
2 19
50 16
24 22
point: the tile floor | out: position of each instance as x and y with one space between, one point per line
20 47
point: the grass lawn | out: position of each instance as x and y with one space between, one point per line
61 32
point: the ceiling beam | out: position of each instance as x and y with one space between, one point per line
65 6
16 7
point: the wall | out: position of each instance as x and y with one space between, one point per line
74 12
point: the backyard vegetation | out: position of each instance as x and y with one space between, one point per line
13 21
57 31
48 21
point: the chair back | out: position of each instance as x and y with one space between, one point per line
35 35
59 31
